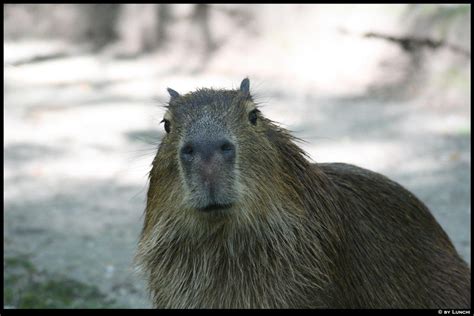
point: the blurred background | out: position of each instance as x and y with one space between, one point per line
385 87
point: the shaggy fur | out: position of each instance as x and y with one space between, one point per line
300 235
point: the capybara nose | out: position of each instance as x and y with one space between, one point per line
221 150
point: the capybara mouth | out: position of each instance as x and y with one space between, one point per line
215 207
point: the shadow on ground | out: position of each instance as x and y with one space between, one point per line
56 229
26 287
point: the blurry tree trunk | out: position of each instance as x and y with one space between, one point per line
163 16
101 20
200 38
136 30
201 17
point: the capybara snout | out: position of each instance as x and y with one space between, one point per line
209 167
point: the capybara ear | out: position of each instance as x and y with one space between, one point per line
245 86
173 93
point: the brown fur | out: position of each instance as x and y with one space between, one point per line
301 235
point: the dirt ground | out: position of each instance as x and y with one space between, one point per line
81 132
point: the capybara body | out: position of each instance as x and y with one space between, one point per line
237 217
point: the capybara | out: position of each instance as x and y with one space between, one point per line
237 217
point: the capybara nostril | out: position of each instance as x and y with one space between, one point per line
227 149
187 152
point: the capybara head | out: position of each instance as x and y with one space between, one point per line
218 157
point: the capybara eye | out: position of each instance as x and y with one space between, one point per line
167 125
253 117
